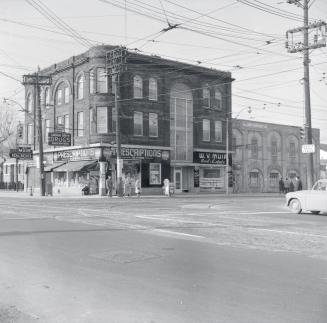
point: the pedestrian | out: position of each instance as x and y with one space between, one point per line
298 184
281 186
287 185
138 187
109 186
127 187
291 189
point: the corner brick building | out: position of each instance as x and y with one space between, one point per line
172 119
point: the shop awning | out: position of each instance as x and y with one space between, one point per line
50 168
77 166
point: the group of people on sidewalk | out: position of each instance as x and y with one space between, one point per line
127 185
289 186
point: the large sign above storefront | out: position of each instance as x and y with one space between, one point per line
210 158
59 139
77 154
137 153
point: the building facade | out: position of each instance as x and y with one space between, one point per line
172 120
265 152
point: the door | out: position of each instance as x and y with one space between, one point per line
178 180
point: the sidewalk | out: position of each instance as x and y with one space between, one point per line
22 194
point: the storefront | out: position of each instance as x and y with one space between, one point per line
150 165
210 171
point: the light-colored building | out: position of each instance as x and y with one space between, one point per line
265 152
8 176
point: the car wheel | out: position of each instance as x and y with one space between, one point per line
295 206
315 212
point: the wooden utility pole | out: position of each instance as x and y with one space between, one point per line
293 45
38 80
116 63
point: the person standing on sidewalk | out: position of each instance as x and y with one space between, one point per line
109 186
298 184
281 186
138 187
287 185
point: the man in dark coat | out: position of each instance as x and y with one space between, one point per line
281 185
298 184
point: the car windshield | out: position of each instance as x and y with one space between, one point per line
320 186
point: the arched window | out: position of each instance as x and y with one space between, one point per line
80 87
254 148
47 96
138 87
153 89
29 102
274 150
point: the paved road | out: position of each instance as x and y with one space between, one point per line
196 259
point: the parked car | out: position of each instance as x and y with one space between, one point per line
314 200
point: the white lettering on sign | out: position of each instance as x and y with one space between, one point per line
78 154
308 149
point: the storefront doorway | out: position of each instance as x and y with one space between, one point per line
178 180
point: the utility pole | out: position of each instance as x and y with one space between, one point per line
227 155
38 80
116 63
295 44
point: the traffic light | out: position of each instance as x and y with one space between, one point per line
20 131
302 133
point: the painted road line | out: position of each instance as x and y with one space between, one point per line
177 233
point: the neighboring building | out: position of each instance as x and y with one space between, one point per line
172 118
323 160
265 152
8 170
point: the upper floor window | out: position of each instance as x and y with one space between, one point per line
138 123
59 96
254 148
92 83
206 130
274 150
47 96
102 86
29 134
80 87
218 131
153 89
66 90
217 104
80 124
102 119
137 87
292 149
153 125
29 103
206 97
66 122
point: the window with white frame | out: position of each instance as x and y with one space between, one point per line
153 125
217 99
80 87
29 103
137 87
102 120
66 122
206 97
206 130
66 91
60 120
91 82
138 123
46 129
155 174
47 96
59 97
153 89
102 86
30 134
80 124
218 131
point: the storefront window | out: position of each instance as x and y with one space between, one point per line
211 178
155 174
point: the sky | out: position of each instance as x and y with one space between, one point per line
244 37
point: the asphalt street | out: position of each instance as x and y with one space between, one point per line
185 259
